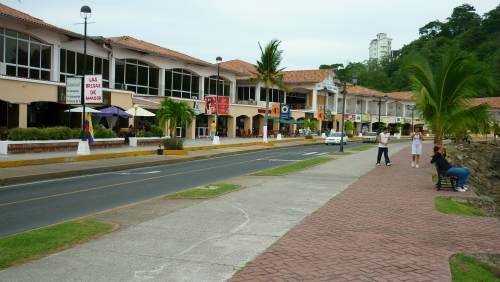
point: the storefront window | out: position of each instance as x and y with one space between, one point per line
71 64
182 83
24 55
246 93
275 95
136 76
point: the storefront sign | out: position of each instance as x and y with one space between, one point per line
93 89
211 104
275 110
73 90
285 111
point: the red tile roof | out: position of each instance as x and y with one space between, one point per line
403 95
306 76
8 12
493 102
239 66
363 91
140 45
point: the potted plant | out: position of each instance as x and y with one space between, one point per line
309 126
159 150
172 113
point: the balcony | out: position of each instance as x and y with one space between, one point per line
246 102
298 106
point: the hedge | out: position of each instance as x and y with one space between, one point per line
55 133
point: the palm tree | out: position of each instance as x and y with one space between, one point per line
269 72
173 113
442 93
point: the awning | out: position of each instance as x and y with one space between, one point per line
137 111
113 111
80 110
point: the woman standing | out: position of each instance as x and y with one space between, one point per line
416 147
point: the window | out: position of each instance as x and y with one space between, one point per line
24 55
275 95
246 93
136 76
211 86
182 83
71 64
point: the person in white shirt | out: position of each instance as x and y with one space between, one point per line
416 147
383 147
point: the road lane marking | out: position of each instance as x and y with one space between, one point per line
321 154
310 153
120 183
138 173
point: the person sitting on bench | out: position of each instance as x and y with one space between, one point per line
445 168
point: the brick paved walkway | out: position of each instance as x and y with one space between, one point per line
382 228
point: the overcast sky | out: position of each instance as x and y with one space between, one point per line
313 31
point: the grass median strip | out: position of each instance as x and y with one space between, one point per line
463 207
37 243
297 166
467 268
210 191
362 147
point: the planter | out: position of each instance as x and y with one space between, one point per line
41 146
146 141
159 151
175 152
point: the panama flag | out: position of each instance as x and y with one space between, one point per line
89 130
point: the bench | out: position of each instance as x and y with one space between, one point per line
445 180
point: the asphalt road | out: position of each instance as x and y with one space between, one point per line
31 205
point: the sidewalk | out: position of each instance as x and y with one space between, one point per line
26 173
201 240
383 228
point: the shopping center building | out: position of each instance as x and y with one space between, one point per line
36 58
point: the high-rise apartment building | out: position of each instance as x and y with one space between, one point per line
380 47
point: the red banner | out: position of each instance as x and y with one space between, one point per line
211 102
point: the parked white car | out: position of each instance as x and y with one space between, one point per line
334 138
370 137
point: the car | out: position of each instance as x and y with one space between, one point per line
334 138
370 137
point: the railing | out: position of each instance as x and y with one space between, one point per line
246 102
298 106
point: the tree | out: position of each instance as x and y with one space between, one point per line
463 18
173 112
441 93
311 124
269 72
432 29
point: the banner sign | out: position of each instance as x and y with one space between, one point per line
93 89
211 104
285 111
275 110
321 115
73 90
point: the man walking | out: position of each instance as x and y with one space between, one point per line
383 147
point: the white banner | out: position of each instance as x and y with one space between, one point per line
73 90
93 89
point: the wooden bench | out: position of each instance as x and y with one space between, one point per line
445 180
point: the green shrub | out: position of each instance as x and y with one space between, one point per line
173 144
102 132
156 131
49 133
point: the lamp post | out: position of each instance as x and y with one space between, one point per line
344 91
412 109
85 13
379 103
218 60
324 108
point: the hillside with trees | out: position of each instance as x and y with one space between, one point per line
465 31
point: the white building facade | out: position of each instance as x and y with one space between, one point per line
380 47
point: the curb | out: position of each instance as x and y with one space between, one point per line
62 174
55 160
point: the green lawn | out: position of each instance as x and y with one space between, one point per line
337 153
362 147
297 166
450 206
209 191
36 243
465 268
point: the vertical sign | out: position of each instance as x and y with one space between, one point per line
285 111
93 89
211 102
73 90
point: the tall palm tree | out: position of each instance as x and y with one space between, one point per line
173 112
269 72
442 93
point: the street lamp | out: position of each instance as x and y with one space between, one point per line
85 13
218 60
344 92
412 108
324 108
379 103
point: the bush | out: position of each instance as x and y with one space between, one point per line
173 144
49 133
156 131
102 132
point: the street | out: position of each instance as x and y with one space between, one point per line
37 204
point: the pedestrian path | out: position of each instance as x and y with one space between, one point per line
207 241
382 228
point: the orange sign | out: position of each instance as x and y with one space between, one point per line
321 115
275 110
